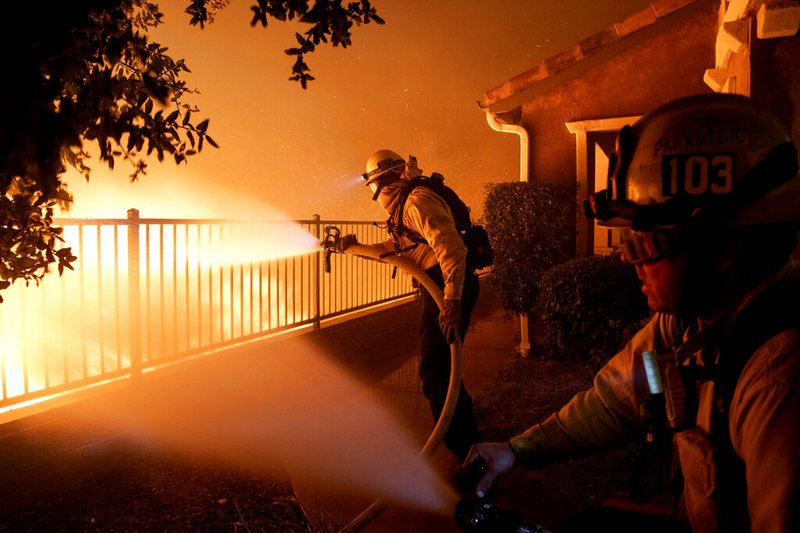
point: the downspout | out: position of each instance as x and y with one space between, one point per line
509 122
500 122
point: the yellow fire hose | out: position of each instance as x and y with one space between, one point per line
436 436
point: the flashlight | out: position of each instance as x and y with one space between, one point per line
653 373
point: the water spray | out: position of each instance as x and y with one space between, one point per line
473 515
330 245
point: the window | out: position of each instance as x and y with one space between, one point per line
594 142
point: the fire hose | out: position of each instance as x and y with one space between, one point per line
437 434
473 516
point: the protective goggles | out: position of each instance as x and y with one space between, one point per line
649 246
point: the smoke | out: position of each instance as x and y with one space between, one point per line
181 194
258 408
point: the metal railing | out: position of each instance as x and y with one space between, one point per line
146 292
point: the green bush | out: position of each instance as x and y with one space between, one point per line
532 228
588 306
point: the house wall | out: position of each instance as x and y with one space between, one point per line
700 47
664 63
667 65
757 56
775 79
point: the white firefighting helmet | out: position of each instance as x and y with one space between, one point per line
379 164
714 157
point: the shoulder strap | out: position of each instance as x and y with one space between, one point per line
395 222
435 184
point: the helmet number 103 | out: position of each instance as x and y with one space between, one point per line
697 174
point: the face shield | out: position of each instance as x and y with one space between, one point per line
373 186
376 184
383 166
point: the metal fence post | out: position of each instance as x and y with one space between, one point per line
133 293
317 277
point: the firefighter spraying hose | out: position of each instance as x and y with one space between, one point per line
329 245
431 237
472 515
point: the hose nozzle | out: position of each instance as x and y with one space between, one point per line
480 516
328 245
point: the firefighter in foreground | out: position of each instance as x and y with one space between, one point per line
706 192
422 229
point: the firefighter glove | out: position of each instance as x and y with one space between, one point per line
346 241
450 319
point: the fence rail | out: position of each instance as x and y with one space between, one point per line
146 292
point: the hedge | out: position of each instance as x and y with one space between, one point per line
588 306
532 228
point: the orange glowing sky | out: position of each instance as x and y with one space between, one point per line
410 85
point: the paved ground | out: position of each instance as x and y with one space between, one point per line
42 455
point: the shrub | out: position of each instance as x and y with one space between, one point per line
531 227
588 305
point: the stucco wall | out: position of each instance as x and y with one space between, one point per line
668 64
775 79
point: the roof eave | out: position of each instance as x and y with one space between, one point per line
588 53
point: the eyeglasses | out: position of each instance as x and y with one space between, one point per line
649 246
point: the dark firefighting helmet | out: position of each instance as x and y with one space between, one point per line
716 157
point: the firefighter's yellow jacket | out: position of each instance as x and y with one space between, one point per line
427 215
761 484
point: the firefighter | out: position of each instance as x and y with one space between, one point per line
706 193
442 256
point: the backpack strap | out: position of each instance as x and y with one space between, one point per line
394 223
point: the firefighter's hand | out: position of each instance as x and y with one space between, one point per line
450 319
345 242
499 459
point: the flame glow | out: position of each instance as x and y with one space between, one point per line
78 326
198 282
